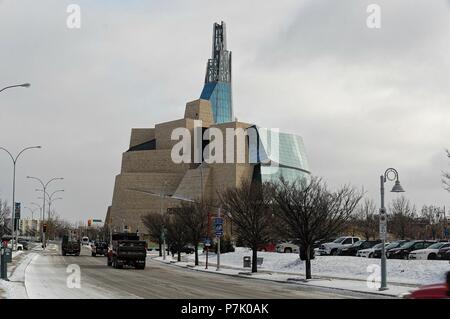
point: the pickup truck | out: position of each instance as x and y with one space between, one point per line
70 246
127 249
332 248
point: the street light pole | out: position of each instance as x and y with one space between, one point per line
44 187
50 198
25 85
383 220
14 160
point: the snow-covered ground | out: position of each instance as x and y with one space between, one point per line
414 272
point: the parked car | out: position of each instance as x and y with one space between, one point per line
187 249
333 247
391 245
270 247
444 253
403 251
353 249
436 291
287 247
429 253
24 243
294 247
18 246
368 252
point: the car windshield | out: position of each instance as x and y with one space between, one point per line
408 244
358 243
378 245
437 245
338 240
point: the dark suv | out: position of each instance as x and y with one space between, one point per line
403 251
353 249
99 248
444 253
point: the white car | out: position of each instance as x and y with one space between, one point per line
428 253
287 247
368 253
16 245
333 247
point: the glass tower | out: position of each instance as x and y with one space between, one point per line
217 88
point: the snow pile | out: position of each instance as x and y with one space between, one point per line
416 272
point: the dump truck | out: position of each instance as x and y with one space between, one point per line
127 250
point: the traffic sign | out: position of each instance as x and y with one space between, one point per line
218 221
207 242
218 228
17 211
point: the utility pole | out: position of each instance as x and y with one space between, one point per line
14 160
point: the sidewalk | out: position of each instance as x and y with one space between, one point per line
14 288
354 285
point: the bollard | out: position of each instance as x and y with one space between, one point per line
3 263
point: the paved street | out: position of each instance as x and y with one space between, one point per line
46 276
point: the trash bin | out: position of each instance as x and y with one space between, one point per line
247 261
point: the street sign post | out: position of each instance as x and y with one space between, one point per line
218 229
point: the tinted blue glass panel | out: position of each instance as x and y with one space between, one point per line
219 94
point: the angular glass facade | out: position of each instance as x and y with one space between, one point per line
219 94
277 154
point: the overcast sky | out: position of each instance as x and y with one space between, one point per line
363 99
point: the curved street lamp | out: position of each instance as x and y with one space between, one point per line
14 160
24 85
44 187
389 175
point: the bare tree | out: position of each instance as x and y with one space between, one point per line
307 212
5 214
366 219
177 234
431 214
401 221
249 211
194 215
155 223
446 176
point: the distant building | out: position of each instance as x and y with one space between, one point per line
150 180
29 227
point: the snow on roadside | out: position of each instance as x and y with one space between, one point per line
415 272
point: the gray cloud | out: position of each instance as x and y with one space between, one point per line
363 100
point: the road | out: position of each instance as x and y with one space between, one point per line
46 277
